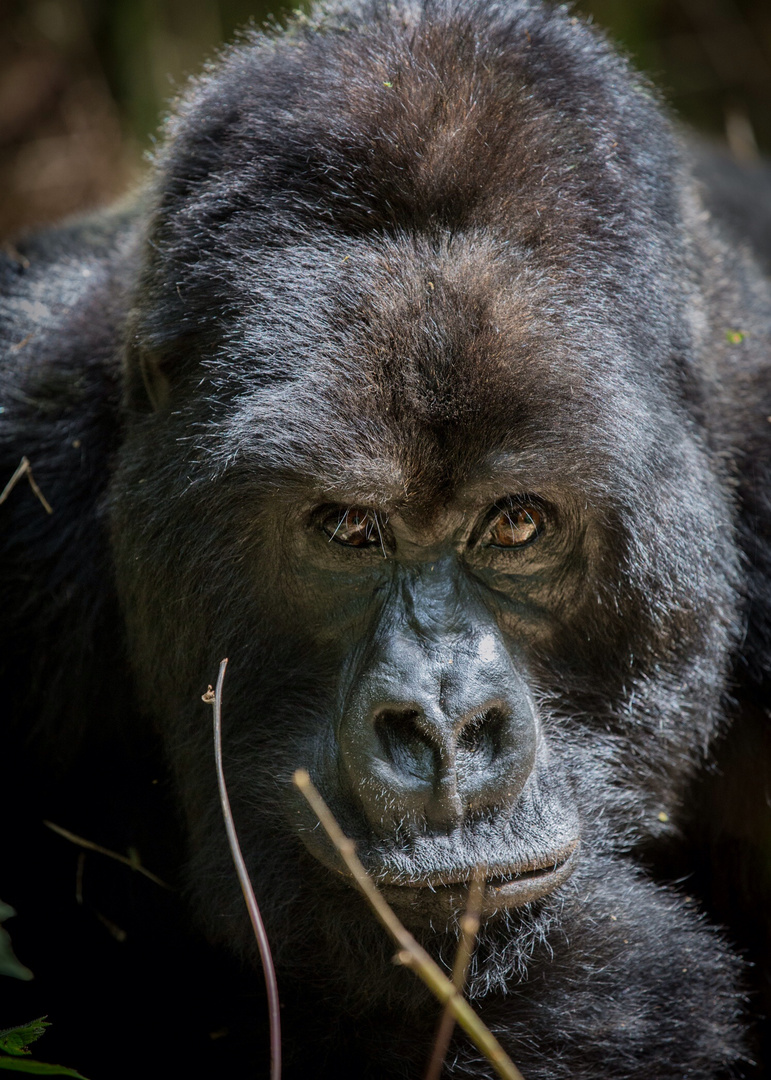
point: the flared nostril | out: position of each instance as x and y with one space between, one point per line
406 744
483 736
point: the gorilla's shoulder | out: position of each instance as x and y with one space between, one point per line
48 275
62 308
738 195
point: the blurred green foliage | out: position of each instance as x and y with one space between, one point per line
149 47
712 58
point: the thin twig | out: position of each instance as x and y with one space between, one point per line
252 907
132 861
113 929
469 928
79 878
20 344
410 953
25 469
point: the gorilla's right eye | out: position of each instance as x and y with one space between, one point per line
354 526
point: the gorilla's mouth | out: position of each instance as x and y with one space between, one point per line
505 888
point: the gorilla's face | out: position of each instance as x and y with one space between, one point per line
466 555
438 761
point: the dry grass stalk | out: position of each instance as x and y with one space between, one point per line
25 469
252 907
469 928
410 953
132 860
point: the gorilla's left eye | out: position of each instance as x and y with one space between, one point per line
515 525
354 526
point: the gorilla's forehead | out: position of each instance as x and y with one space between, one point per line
414 362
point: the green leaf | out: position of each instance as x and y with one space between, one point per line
39 1068
15 1040
9 965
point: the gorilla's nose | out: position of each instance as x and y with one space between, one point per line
446 767
420 758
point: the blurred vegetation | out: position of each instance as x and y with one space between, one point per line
83 83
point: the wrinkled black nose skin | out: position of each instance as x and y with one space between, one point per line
438 723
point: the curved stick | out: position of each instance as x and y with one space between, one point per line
271 985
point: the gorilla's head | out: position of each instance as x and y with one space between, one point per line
409 387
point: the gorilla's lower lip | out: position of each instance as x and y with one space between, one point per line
505 889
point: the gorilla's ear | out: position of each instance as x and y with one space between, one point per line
148 384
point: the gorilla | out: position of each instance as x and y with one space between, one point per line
426 380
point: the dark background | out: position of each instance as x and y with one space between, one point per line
83 83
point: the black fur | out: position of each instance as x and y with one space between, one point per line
421 257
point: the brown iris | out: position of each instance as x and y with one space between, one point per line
355 526
514 526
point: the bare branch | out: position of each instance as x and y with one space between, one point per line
25 469
469 928
252 907
410 953
128 860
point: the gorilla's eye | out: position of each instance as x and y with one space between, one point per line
515 525
355 526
